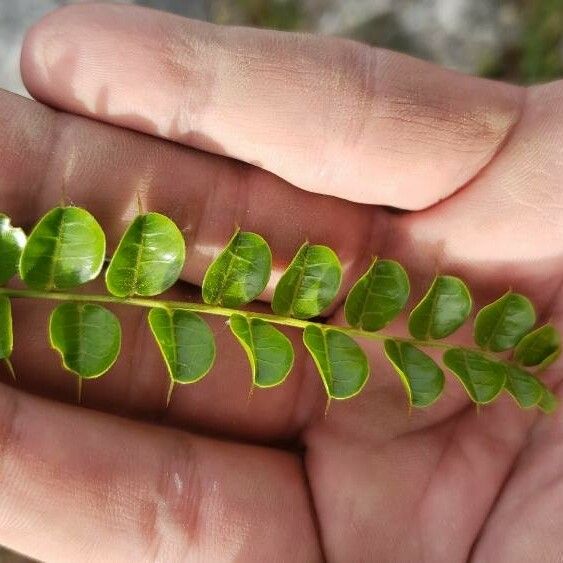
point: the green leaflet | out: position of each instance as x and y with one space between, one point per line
342 364
422 377
269 351
149 258
378 296
240 273
310 283
185 341
12 243
500 325
6 333
65 249
549 402
539 348
88 338
482 378
444 308
526 390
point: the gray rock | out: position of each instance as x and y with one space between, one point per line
461 34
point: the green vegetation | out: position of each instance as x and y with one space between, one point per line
535 54
542 42
67 249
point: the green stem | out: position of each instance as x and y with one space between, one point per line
211 310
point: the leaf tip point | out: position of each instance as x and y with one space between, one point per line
169 394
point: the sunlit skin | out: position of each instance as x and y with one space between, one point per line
219 477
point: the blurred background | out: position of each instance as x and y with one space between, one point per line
516 40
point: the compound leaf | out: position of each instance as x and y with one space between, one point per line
65 249
240 273
310 283
482 378
378 296
88 338
269 351
500 325
185 341
444 308
6 331
549 401
422 377
149 258
12 243
342 364
526 390
540 347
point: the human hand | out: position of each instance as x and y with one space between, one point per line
369 482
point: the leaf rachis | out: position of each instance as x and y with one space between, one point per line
67 249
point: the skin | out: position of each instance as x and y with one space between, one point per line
264 126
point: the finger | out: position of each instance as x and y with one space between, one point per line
328 115
138 383
506 230
103 168
78 485
530 500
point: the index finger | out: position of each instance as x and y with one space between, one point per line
328 115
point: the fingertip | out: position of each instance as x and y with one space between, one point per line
54 51
85 59
39 51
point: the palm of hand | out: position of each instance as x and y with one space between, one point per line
441 484
434 485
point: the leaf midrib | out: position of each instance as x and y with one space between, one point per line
498 322
138 259
80 311
232 257
367 293
300 277
57 251
328 368
433 302
170 315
